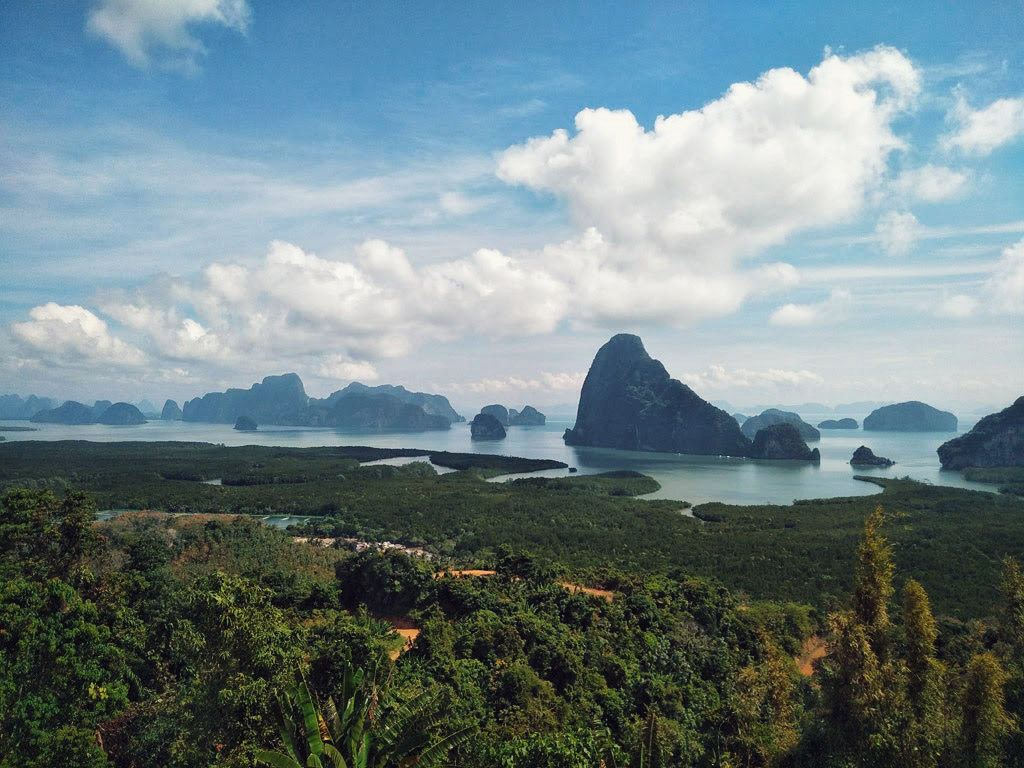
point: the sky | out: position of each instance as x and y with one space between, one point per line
788 202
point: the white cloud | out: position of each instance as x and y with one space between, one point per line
344 369
931 183
74 336
830 310
958 306
766 160
1006 286
545 381
983 130
897 232
142 29
718 377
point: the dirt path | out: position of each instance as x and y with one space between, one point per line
606 595
814 648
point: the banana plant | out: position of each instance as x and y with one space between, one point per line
360 731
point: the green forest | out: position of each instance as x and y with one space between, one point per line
543 622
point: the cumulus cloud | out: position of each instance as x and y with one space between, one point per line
720 377
931 183
897 232
832 308
1005 287
73 335
144 30
981 131
768 159
544 382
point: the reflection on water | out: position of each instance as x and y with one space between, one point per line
696 479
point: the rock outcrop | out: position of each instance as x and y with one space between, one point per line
865 457
839 424
171 411
912 416
381 412
528 417
771 416
246 424
71 412
497 411
122 414
15 407
485 426
782 441
995 441
629 401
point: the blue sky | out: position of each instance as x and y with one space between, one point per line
806 202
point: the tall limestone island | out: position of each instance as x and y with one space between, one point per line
912 416
629 401
995 441
171 411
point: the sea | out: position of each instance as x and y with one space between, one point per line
694 479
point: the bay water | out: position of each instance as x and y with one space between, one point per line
696 479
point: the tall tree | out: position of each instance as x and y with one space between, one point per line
986 724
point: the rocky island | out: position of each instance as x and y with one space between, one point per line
499 412
995 441
751 426
170 412
528 417
485 426
839 424
912 416
245 424
865 457
70 412
629 401
122 414
782 441
282 400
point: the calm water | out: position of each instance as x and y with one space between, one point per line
695 479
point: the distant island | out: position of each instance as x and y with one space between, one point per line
772 416
282 400
102 412
839 424
629 401
912 416
510 417
16 407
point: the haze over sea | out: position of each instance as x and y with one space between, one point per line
695 479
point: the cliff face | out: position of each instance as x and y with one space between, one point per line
630 402
912 416
995 441
772 416
782 441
